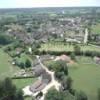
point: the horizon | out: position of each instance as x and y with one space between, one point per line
5 4
55 7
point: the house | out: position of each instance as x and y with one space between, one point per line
37 86
40 84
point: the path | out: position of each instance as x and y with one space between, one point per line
53 83
86 36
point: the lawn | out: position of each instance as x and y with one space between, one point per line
21 83
23 58
96 28
28 98
60 46
6 68
86 77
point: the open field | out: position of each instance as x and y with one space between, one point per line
86 77
6 68
21 83
96 28
60 46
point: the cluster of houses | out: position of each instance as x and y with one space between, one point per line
65 27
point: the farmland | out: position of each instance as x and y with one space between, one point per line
86 76
61 46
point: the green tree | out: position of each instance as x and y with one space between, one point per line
81 96
8 91
27 63
53 94
67 83
5 39
60 68
99 94
73 56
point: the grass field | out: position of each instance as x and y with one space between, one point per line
96 28
21 83
60 46
6 68
86 77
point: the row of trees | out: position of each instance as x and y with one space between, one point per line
53 94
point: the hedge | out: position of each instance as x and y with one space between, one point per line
22 77
57 53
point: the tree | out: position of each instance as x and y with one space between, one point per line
67 83
8 91
27 63
60 68
73 56
81 96
19 95
99 94
53 94
5 39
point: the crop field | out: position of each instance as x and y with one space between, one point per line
60 46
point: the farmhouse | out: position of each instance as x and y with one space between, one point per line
37 86
40 84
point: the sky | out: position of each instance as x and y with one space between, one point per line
47 3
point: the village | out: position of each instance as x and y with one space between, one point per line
56 52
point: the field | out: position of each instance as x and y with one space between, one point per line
6 68
96 28
21 83
60 46
86 77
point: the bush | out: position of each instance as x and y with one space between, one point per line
27 63
5 39
73 56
